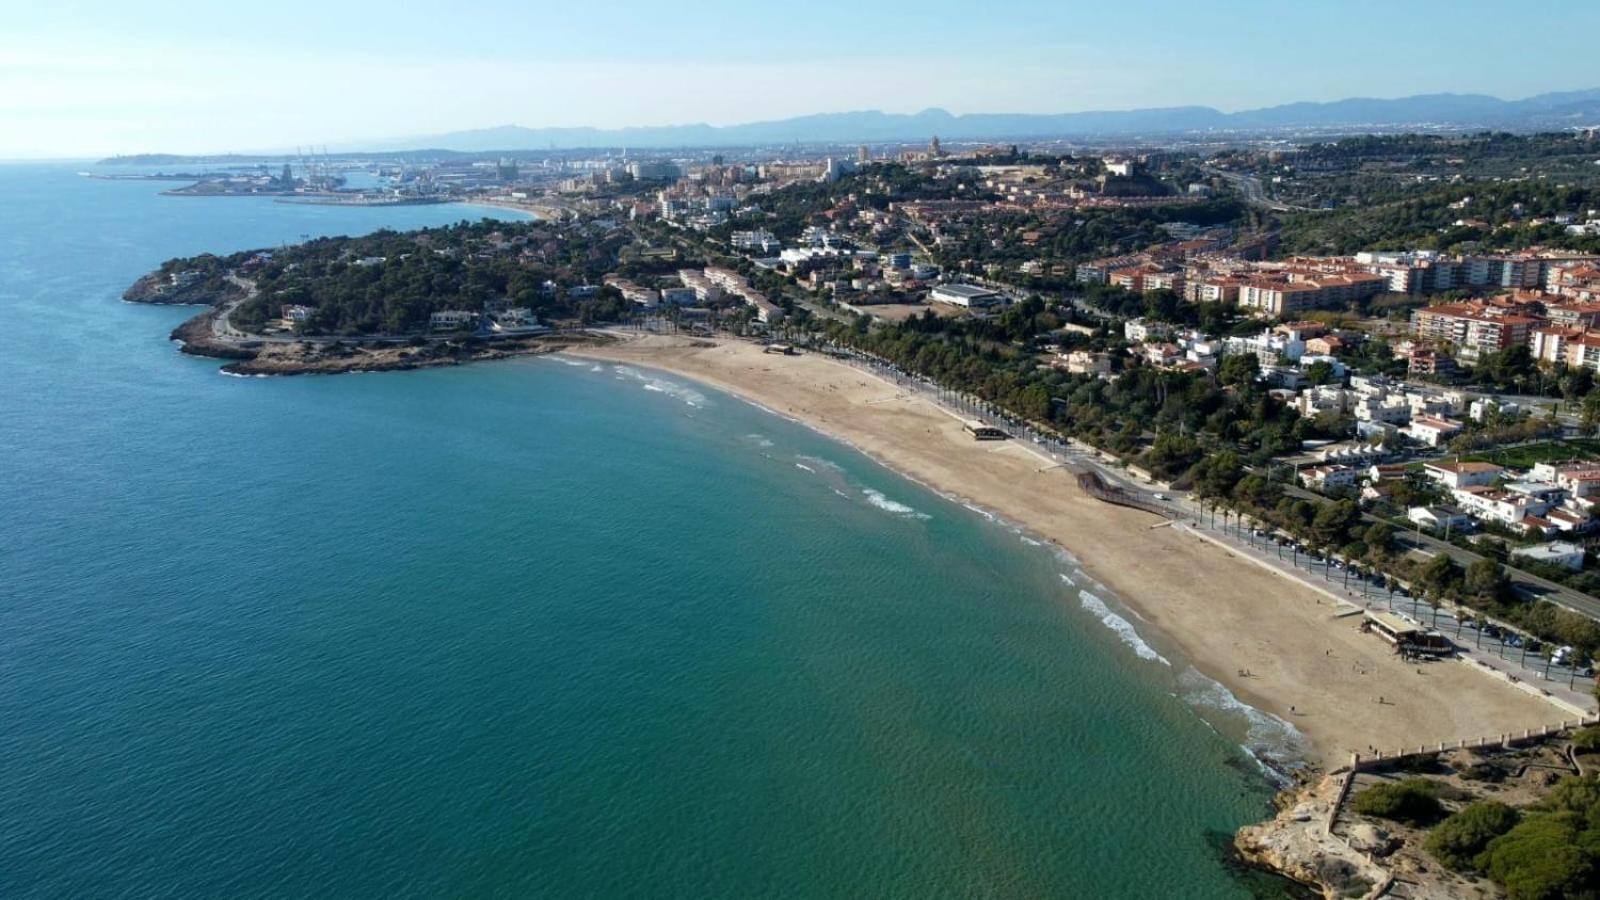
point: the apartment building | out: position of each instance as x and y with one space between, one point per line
762 242
638 295
1573 347
705 291
1212 289
1506 507
1580 479
1293 291
1474 327
733 283
1099 271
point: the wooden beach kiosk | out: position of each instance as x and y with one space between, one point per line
982 432
1409 639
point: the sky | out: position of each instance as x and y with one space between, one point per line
87 78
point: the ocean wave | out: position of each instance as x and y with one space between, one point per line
800 465
1275 744
820 462
673 389
980 511
760 440
1123 628
1067 578
569 361
877 498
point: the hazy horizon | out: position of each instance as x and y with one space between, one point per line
93 78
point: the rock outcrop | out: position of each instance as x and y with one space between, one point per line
1298 845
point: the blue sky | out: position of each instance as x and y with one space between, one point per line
101 76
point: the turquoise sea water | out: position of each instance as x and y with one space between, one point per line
539 628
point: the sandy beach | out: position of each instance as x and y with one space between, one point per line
1224 614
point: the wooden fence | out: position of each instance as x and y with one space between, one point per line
1359 762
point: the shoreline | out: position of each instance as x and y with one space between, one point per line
1270 642
1286 762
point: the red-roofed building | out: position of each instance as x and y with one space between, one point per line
1474 327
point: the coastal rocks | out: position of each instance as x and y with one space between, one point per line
1372 839
148 289
1297 844
312 358
159 289
196 338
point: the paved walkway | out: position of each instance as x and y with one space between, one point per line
1533 672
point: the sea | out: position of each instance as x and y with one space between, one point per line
533 628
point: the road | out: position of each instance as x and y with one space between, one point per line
1498 649
1526 584
222 320
1250 188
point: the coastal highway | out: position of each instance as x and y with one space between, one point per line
1526 584
222 320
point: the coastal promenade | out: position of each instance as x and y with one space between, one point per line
1490 654
1277 644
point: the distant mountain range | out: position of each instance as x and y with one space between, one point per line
1449 111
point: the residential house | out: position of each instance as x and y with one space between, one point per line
1432 431
1139 331
1329 478
1439 518
1462 474
1505 507
451 319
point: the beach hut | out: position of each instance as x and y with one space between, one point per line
1409 638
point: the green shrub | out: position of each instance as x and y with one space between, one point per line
1414 801
1587 740
1540 859
1458 840
1572 794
